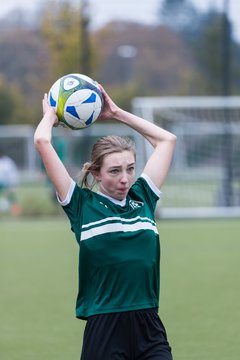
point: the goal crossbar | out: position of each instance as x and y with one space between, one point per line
204 180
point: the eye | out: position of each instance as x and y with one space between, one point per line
114 171
131 169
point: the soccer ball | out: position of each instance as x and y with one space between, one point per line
77 100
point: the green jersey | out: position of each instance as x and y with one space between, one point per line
119 249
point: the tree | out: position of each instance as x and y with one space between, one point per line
85 50
202 33
23 64
61 32
11 105
158 63
209 42
6 105
178 14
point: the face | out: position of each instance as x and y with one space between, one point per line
116 174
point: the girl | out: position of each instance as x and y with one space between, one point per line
117 234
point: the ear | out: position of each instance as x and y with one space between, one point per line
96 175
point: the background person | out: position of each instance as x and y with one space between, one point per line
9 180
115 228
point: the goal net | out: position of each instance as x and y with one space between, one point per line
204 179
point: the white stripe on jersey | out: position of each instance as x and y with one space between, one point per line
120 225
117 219
151 185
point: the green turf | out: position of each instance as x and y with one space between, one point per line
200 288
199 291
38 262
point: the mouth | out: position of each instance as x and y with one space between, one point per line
123 191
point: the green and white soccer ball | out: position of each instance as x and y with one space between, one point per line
77 100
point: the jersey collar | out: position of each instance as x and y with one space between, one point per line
115 201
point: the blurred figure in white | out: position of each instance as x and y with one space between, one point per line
9 180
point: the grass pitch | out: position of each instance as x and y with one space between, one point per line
199 289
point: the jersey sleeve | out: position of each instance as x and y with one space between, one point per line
144 190
72 205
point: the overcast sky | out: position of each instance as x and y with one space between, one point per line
103 11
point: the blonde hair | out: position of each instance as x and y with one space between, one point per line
103 147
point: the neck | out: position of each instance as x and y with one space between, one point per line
115 201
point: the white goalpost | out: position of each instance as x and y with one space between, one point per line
204 179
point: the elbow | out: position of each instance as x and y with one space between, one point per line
40 142
172 139
169 141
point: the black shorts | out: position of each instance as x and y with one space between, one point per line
131 335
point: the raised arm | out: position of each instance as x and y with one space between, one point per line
42 140
163 141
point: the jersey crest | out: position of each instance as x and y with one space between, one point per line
135 204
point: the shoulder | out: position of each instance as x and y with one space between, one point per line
151 184
75 193
144 182
144 190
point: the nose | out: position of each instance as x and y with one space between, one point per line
124 178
